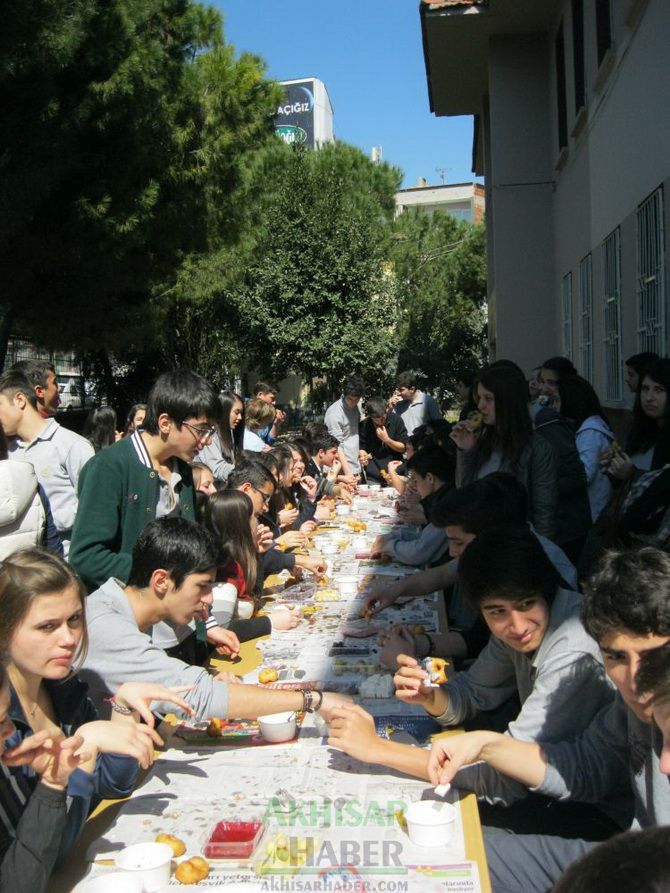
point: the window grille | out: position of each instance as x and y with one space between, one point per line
586 317
651 303
611 290
566 304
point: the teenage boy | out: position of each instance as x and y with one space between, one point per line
415 407
142 477
626 608
323 454
268 394
382 438
57 454
254 479
465 513
434 472
173 569
42 376
538 651
343 419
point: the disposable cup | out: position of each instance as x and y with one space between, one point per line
430 822
150 862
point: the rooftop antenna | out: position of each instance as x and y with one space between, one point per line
441 171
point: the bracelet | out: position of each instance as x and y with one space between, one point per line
118 708
317 707
307 699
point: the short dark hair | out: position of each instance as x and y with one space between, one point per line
176 545
406 379
14 382
629 590
181 394
436 461
508 562
466 376
264 387
353 386
376 407
252 472
498 498
561 365
640 361
653 675
635 860
323 441
36 371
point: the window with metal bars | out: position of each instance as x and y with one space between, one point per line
578 53
566 305
611 297
651 300
603 28
586 317
561 97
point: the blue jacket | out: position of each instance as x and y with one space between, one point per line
114 775
593 436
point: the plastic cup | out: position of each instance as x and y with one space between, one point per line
430 822
148 862
277 727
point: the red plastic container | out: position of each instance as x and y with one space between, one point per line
233 840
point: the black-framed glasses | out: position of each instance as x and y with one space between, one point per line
266 498
200 432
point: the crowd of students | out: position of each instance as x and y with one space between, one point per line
113 544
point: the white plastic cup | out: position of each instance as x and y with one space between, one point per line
224 599
148 862
277 727
430 822
347 584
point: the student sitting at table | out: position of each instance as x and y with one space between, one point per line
382 439
257 415
498 499
625 749
254 479
434 471
171 578
224 450
59 759
538 651
229 517
301 491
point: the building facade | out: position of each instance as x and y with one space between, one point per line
305 116
572 136
462 200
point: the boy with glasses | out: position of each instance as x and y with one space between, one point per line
142 477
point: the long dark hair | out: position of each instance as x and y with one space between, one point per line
283 456
578 400
645 432
231 440
513 428
130 418
100 427
227 515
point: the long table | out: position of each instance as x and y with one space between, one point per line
349 811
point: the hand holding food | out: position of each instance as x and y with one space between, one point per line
288 516
409 685
264 538
463 436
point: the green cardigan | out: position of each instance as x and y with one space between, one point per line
118 496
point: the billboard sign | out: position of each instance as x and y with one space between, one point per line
294 120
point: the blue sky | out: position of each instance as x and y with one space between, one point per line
369 56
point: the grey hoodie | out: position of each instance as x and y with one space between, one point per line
120 652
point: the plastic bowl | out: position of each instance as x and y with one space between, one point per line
233 840
347 584
149 862
430 822
277 727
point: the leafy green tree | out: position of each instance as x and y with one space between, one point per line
125 125
319 298
440 265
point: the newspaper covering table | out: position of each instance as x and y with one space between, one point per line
330 821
